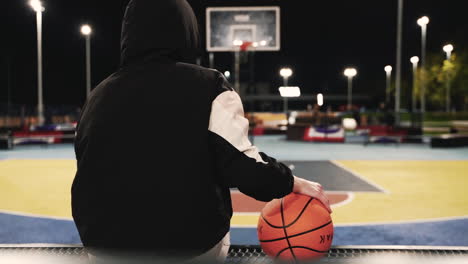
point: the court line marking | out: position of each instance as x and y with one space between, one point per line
342 203
35 215
243 226
336 163
345 202
399 222
415 221
380 189
247 213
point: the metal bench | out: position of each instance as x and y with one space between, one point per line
254 254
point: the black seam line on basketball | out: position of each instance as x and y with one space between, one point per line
285 232
295 235
281 251
295 220
311 249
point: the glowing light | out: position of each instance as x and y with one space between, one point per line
292 118
320 99
86 30
349 123
414 59
37 5
448 48
227 74
286 72
350 72
423 21
290 91
238 42
388 69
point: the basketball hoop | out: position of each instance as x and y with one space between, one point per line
246 45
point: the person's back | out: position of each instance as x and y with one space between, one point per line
144 166
160 143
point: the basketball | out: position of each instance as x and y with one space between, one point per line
296 227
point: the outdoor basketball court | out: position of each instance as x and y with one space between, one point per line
384 201
404 203
378 200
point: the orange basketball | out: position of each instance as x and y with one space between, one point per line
296 227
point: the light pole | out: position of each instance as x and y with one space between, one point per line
86 31
414 60
422 22
350 73
38 8
285 73
237 46
448 50
388 70
398 60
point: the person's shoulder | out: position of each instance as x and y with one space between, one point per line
198 69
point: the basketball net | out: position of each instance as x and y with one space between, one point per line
241 56
246 45
245 48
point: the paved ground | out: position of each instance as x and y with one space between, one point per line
384 194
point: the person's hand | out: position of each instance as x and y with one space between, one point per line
313 189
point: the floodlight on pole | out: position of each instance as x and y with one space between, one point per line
350 73
414 60
227 74
448 50
38 8
86 30
36 5
388 69
285 73
423 22
320 99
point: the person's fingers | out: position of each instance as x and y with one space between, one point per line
324 200
326 206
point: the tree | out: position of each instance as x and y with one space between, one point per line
459 81
439 71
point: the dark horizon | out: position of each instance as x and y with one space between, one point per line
317 43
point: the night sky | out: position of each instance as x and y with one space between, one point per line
318 43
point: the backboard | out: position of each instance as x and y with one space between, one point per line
228 27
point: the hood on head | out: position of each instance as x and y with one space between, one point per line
159 30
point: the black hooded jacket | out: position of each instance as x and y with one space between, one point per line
161 141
